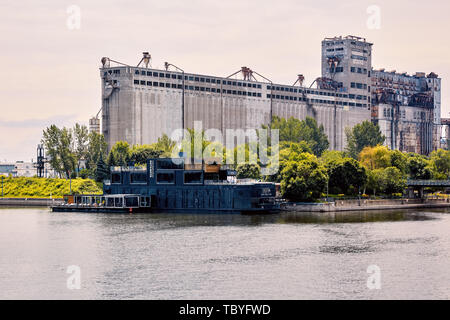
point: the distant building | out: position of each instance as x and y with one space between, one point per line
408 110
140 104
24 169
94 125
7 169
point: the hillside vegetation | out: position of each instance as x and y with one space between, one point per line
44 188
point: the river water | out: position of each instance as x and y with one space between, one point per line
287 256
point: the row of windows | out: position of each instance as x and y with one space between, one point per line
357 85
196 88
333 49
358 70
336 70
198 79
359 57
245 93
309 91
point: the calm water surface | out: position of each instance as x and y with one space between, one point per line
288 256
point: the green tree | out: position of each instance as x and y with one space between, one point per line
394 181
386 181
120 153
59 147
399 160
248 171
85 173
81 138
378 157
364 134
331 156
294 130
303 180
140 154
111 161
166 145
101 171
97 148
419 167
346 176
440 164
289 151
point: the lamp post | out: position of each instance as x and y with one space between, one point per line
167 65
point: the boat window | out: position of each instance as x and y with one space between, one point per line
115 178
136 177
110 202
118 202
165 177
192 177
145 202
131 202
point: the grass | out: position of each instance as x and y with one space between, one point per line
45 188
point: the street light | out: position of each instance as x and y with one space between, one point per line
167 65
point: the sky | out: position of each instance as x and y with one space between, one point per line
51 50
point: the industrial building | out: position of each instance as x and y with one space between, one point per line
140 103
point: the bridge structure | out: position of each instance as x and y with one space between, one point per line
421 184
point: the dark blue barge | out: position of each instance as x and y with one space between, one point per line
173 186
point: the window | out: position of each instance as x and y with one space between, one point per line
138 177
167 178
131 202
142 82
116 178
193 177
136 81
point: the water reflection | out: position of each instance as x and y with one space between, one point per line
170 221
356 216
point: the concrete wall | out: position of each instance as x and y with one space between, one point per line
140 114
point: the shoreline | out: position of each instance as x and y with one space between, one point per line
366 205
337 206
29 202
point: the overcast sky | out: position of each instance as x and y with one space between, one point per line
49 71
